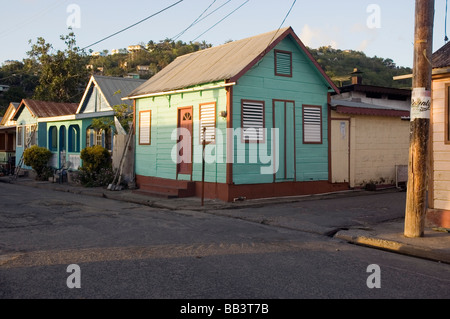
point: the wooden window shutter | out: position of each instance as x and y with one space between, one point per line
208 121
312 124
253 121
145 127
283 63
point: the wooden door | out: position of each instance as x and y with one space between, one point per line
284 120
340 150
185 122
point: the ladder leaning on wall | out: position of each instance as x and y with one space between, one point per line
27 145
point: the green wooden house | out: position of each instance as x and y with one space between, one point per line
260 106
31 119
67 136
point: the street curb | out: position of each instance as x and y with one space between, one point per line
393 246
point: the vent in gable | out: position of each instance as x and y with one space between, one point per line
283 63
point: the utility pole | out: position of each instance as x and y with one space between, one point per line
420 120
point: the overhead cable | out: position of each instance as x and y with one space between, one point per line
222 19
133 25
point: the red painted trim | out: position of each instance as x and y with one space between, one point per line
438 218
192 139
150 127
242 121
228 193
321 123
290 32
368 111
230 137
200 118
290 65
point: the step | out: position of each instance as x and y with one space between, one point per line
172 189
153 194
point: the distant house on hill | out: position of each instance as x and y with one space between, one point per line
369 132
261 106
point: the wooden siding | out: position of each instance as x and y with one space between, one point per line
440 198
25 119
156 159
306 86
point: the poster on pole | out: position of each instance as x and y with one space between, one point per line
420 104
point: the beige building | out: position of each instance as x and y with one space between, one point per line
439 185
369 135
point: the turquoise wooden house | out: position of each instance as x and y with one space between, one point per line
260 106
31 119
67 136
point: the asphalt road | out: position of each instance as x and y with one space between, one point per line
126 250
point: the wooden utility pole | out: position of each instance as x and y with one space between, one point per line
420 120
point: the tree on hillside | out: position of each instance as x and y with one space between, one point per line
338 64
63 74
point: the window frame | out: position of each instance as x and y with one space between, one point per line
244 138
305 106
20 130
149 128
73 135
53 134
213 141
276 63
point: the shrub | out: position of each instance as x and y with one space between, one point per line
38 157
95 158
97 167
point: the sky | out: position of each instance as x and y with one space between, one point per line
382 28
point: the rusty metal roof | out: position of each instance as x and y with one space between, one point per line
441 58
43 109
225 62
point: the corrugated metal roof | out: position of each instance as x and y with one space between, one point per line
361 108
219 63
42 109
441 58
110 85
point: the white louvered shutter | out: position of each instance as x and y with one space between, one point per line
208 121
312 124
253 121
144 128
283 63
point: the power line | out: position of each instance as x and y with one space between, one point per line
284 20
193 23
133 25
39 14
222 19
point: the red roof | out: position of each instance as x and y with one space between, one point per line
43 109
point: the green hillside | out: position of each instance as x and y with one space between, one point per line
338 64
24 77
